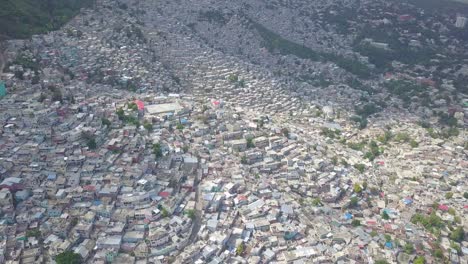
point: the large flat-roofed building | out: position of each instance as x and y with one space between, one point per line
157 109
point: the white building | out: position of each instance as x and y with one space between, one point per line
461 21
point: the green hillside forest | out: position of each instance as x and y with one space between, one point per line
23 18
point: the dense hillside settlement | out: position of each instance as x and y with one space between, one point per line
237 132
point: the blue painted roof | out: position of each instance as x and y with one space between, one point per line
52 176
2 88
348 216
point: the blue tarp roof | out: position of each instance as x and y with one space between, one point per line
348 216
407 201
52 176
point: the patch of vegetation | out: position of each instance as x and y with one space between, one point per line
355 223
357 146
33 233
367 110
148 126
212 16
358 85
23 18
408 91
409 248
357 188
431 222
250 143
385 215
243 160
240 249
458 234
190 214
360 167
330 133
374 151
106 122
157 150
274 42
127 118
385 138
361 121
353 202
381 261
68 257
419 260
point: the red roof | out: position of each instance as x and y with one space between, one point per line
405 18
164 194
89 188
242 198
443 207
140 104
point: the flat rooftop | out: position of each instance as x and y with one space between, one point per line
163 108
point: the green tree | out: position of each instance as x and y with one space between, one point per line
285 132
334 160
233 78
157 151
385 215
191 214
419 260
317 202
455 246
243 160
133 106
179 126
164 212
449 195
388 238
357 188
452 211
68 257
409 248
360 167
438 253
120 113
91 143
465 195
33 233
240 249
381 261
106 122
413 143
458 234
250 143
355 222
35 79
353 202
148 126
185 148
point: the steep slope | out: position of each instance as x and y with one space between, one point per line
22 18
